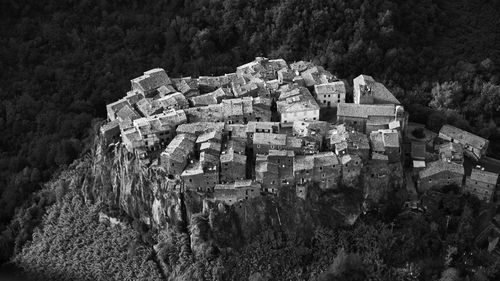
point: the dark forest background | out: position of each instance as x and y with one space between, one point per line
62 61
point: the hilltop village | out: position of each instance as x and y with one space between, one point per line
271 125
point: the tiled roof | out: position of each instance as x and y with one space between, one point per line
325 159
484 176
441 166
230 156
172 100
269 139
215 135
303 163
152 79
180 147
337 87
463 136
365 110
197 128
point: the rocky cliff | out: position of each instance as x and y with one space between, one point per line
118 179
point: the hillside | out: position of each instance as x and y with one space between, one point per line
60 63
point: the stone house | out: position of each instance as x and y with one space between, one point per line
188 87
147 107
131 139
316 75
440 173
312 132
177 154
150 81
199 177
450 151
262 109
267 174
283 159
110 131
351 170
357 115
303 169
387 142
285 75
367 91
327 170
237 110
299 107
358 144
214 97
474 146
238 146
174 100
237 191
330 94
157 131
210 113
208 84
481 183
113 108
166 90
233 166
198 128
263 142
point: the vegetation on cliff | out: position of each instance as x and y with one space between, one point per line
62 62
73 245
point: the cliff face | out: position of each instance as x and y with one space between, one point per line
147 194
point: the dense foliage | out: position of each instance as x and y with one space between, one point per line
435 245
73 245
62 61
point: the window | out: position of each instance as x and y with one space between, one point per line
323 175
430 180
320 168
190 180
172 164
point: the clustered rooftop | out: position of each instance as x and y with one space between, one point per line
252 132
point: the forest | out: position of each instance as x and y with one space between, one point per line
62 61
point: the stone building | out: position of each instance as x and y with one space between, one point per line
357 115
387 142
474 146
351 170
451 152
177 154
440 173
367 91
297 105
330 94
263 142
481 183
267 174
150 81
200 176
233 166
237 191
